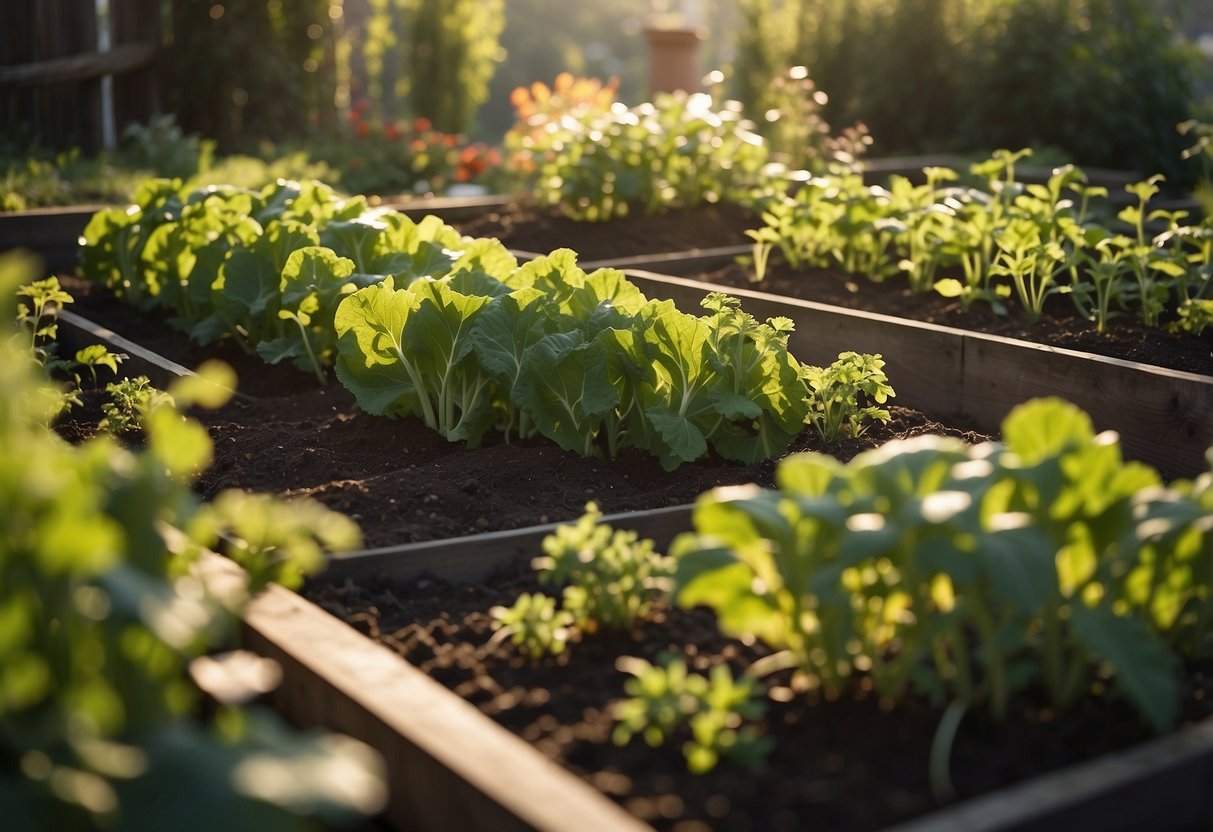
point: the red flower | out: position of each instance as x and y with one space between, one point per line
392 131
361 128
422 125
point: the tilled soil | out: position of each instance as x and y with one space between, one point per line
852 763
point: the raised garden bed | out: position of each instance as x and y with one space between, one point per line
452 767
401 481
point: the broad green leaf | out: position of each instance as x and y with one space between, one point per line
808 474
683 441
1145 669
1019 565
564 388
371 361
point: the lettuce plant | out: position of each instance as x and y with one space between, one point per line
585 360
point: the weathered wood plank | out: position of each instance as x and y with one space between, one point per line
76 331
1164 784
476 557
120 59
51 233
449 767
1164 417
673 262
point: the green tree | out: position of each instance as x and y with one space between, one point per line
452 51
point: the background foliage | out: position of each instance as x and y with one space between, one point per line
1103 81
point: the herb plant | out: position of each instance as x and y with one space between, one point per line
610 579
1001 239
535 624
665 699
37 315
836 394
130 400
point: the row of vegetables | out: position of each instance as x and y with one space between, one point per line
421 321
980 235
1043 567
1004 238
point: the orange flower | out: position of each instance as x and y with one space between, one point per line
361 128
422 125
392 131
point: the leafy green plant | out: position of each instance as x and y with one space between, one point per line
39 317
534 624
1193 316
99 726
989 243
665 698
131 399
965 574
611 578
837 392
585 360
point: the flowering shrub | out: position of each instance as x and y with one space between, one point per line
392 156
576 150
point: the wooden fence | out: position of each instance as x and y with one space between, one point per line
51 69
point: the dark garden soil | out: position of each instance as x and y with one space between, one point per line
1125 337
527 229
845 764
403 482
723 225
